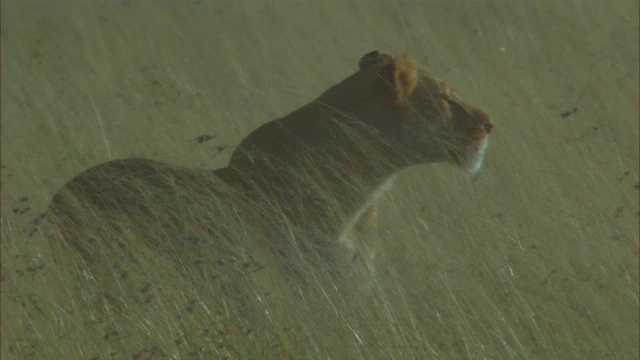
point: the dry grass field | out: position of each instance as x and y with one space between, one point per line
534 257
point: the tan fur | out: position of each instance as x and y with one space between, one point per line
323 166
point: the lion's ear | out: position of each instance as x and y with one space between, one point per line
400 77
375 58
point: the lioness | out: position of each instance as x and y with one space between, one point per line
321 167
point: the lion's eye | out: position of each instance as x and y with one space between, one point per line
446 90
456 109
445 109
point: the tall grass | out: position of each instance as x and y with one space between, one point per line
176 262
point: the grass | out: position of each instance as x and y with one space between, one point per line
535 258
182 278
185 280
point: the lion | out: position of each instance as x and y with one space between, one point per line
321 168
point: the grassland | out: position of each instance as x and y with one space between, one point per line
536 257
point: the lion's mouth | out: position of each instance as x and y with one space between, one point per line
475 157
471 156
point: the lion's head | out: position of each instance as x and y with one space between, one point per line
418 111
387 116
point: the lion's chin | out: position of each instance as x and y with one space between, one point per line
474 162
